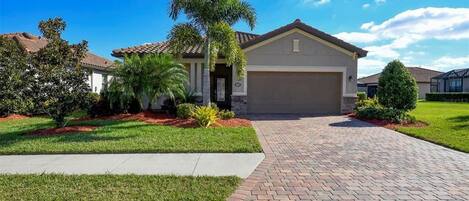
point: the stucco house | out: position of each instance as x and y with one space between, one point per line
422 76
98 67
293 69
452 81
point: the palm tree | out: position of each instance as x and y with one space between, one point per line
148 76
210 23
167 77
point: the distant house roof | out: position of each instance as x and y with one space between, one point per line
33 43
421 75
458 73
244 39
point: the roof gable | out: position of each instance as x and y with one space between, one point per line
297 24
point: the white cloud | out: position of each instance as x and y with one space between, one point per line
365 6
384 51
316 2
368 66
448 63
439 23
357 37
367 25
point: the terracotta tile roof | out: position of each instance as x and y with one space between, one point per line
34 43
244 39
421 75
163 47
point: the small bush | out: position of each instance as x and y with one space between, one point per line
382 113
214 106
205 116
367 102
185 110
448 97
361 96
226 114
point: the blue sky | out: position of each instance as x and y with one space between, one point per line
430 33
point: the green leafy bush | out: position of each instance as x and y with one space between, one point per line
185 110
226 114
448 97
16 79
361 96
205 116
214 106
367 102
397 88
383 113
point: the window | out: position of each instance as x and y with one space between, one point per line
296 45
455 85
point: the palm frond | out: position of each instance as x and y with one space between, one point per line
182 36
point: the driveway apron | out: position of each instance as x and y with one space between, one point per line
338 158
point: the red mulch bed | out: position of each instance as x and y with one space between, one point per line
13 116
390 125
60 131
171 120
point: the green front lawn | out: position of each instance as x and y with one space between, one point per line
124 137
448 124
114 187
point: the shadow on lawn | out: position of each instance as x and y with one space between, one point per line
104 127
464 119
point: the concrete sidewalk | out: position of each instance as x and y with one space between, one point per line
196 164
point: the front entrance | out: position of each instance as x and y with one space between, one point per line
220 86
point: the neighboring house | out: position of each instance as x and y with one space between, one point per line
423 77
99 67
452 81
293 69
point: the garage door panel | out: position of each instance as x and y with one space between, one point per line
289 92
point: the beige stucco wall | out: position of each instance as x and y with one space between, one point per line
424 88
279 53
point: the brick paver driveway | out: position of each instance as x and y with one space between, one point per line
337 158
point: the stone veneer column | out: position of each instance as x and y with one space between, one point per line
348 103
239 104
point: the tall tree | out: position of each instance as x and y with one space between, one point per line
61 82
397 88
210 24
16 78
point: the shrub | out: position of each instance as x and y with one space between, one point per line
449 97
397 88
214 106
383 113
205 116
226 114
367 102
361 96
185 110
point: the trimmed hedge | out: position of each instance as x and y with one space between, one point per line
448 97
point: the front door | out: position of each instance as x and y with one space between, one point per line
220 85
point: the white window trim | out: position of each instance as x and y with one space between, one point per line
296 45
328 69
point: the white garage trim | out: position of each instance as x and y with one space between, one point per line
324 69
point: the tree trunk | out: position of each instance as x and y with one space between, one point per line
206 75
